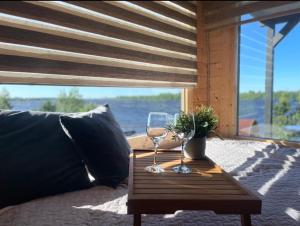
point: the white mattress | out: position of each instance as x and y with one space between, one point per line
272 172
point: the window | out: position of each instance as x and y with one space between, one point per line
129 105
269 79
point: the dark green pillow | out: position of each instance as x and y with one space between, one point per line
101 143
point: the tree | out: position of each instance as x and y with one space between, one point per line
283 106
69 102
48 106
88 107
298 97
5 99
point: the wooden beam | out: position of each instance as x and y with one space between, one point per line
223 49
230 23
144 142
269 79
211 6
241 9
284 31
217 74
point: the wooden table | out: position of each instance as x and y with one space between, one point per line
208 187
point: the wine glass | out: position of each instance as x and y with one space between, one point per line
157 131
183 134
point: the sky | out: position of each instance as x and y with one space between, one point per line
253 59
252 69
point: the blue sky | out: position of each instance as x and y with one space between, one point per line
252 69
253 59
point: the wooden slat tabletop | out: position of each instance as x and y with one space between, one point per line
208 187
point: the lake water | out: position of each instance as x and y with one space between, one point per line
131 114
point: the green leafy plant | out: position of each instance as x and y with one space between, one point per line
205 122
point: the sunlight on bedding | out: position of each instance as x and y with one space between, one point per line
295 214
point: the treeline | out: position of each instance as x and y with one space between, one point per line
71 101
159 97
67 102
252 95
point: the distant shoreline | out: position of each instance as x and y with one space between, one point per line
160 97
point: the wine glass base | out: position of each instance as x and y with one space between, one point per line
182 169
154 169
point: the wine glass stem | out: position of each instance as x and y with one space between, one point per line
155 152
181 155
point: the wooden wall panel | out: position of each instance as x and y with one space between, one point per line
223 77
217 74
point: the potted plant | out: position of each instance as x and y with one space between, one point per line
205 123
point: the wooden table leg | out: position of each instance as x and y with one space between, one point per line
246 220
137 220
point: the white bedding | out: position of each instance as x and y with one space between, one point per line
273 172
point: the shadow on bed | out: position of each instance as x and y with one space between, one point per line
99 205
274 173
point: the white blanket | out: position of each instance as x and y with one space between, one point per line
272 172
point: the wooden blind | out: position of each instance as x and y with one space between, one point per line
99 43
220 14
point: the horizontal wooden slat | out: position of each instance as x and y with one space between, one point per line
184 186
187 5
212 177
168 168
112 21
190 197
35 52
176 191
34 12
187 182
197 165
10 77
51 54
163 10
21 64
26 37
243 9
178 7
130 12
60 31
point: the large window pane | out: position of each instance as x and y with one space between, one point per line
269 84
129 105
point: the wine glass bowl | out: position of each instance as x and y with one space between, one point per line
183 134
157 131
